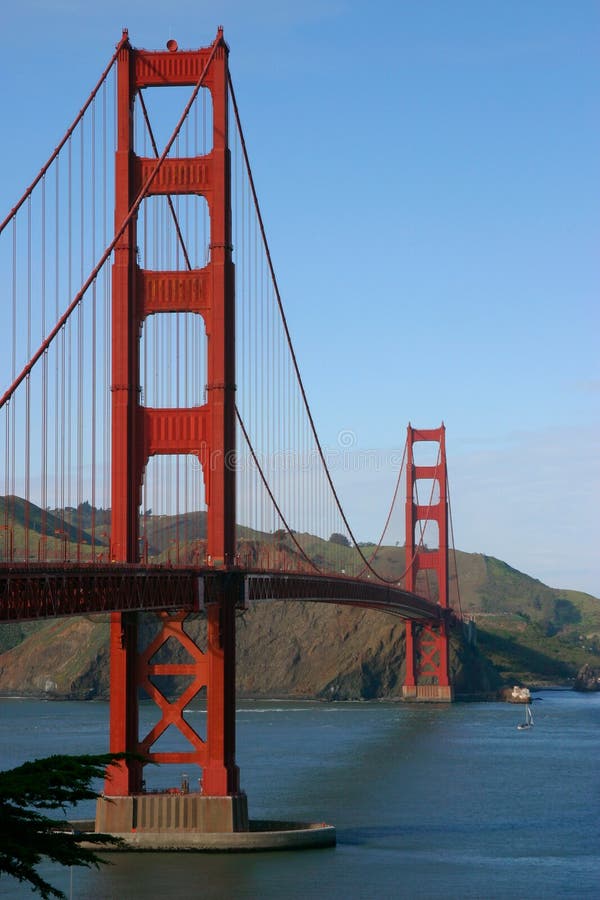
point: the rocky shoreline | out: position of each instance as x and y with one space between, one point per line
588 680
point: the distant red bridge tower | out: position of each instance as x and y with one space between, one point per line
427 664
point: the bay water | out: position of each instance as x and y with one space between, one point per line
429 801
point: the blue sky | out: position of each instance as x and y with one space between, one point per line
429 175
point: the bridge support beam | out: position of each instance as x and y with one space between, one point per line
427 675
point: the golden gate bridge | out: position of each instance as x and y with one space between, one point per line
151 377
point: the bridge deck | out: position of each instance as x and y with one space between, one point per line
38 591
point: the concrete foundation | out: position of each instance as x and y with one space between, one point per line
428 693
262 835
172 814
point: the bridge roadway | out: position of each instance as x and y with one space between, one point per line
45 590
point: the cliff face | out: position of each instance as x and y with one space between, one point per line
315 650
283 650
64 658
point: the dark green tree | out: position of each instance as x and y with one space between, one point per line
341 539
27 835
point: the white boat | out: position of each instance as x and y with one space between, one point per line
528 723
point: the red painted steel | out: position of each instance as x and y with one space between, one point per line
346 591
160 292
207 431
427 644
45 590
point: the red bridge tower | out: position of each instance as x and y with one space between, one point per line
427 670
207 431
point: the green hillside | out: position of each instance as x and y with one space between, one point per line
530 632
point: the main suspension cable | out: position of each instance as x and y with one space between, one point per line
367 564
270 493
169 198
389 515
453 548
119 233
124 40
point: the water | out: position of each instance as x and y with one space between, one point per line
429 801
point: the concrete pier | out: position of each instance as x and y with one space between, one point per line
428 693
196 822
175 813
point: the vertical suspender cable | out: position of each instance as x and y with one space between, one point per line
44 394
80 373
67 382
27 491
67 135
93 338
296 371
57 355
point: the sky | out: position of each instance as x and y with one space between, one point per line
429 177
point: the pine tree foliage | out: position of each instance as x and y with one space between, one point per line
27 835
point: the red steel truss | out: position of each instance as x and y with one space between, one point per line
43 590
207 431
38 591
427 645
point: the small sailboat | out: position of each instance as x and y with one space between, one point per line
528 723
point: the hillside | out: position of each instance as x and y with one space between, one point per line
530 632
284 650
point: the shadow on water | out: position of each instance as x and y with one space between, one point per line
369 834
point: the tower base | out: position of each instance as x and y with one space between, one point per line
179 813
428 693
